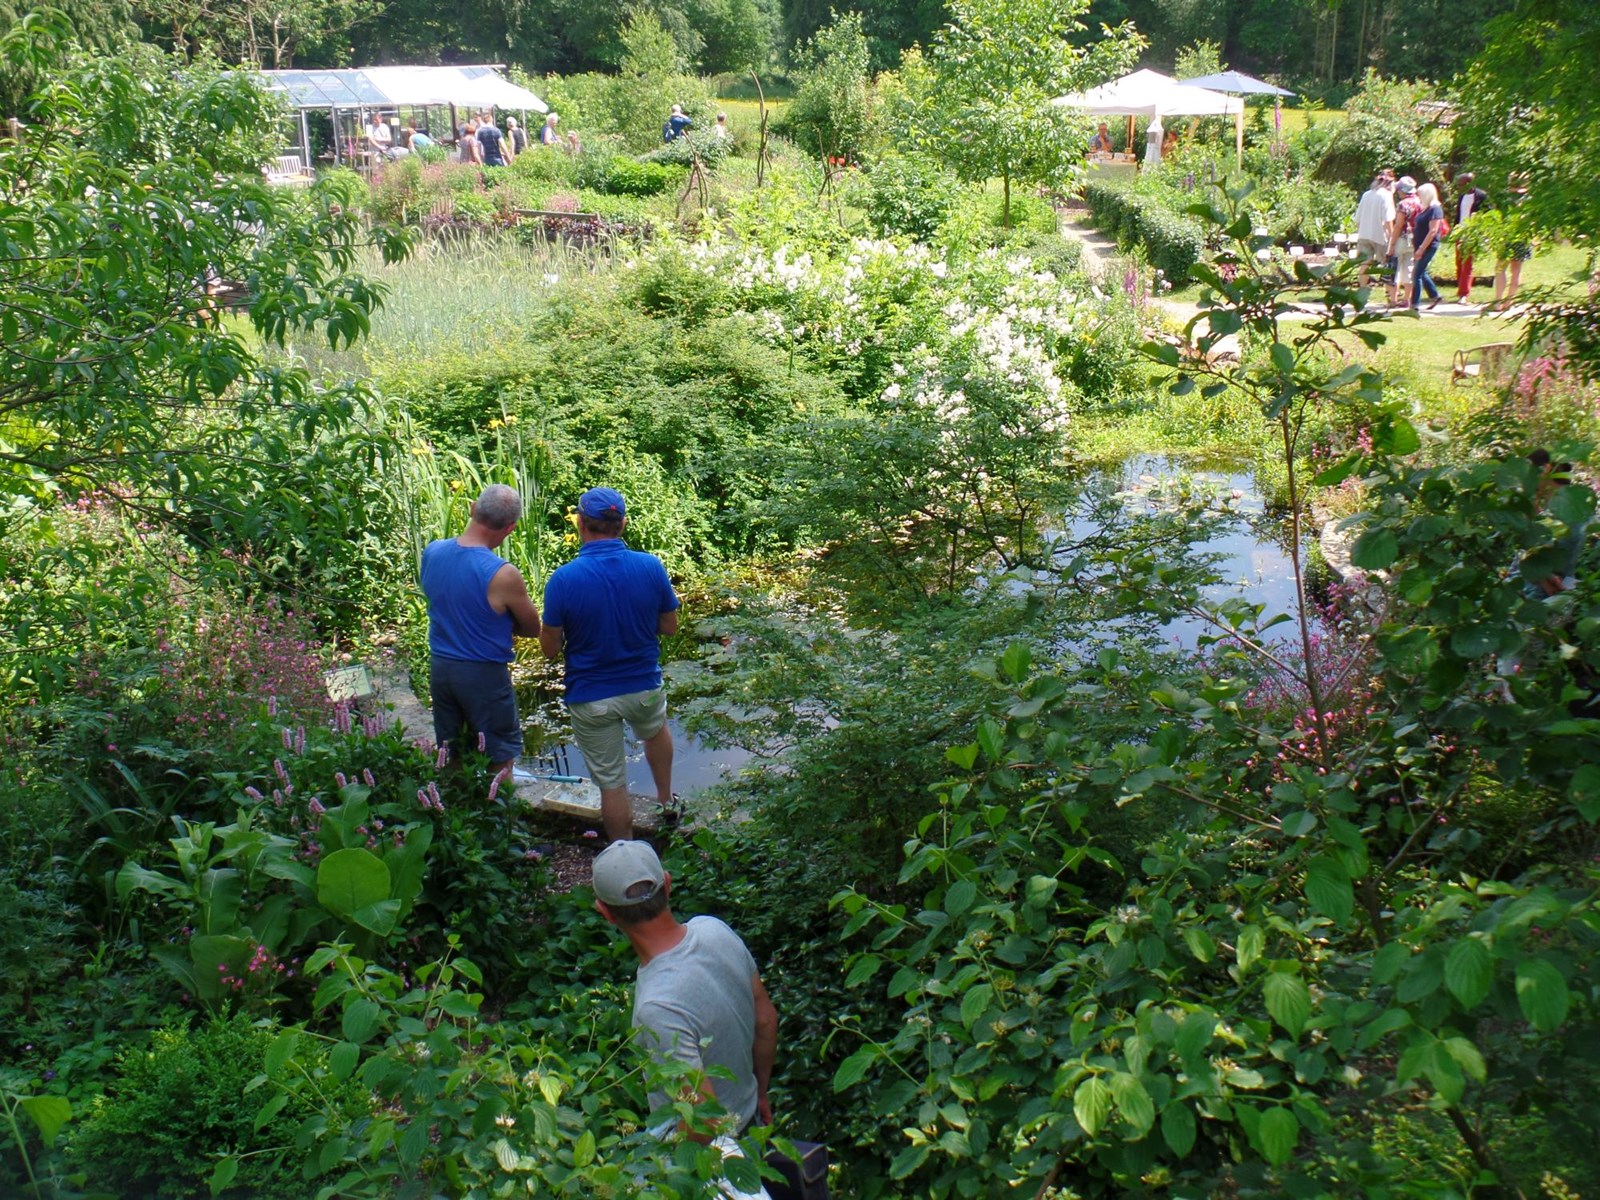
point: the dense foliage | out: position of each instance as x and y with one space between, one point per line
1309 43
1072 867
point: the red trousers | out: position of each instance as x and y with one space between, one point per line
1463 273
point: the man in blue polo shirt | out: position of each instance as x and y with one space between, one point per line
608 609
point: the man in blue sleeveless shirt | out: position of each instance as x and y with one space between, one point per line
608 609
477 602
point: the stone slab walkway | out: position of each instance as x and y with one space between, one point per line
580 800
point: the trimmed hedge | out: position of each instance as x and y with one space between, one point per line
620 175
1172 242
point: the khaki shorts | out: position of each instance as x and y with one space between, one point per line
597 728
1406 265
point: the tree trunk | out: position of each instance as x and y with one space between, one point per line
1005 203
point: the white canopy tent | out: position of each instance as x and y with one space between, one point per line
1147 93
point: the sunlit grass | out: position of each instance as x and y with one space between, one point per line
457 295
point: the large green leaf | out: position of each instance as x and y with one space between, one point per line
221 890
1133 1102
1288 1000
49 1113
1195 1034
1375 550
1178 1128
853 1069
1468 971
1277 1132
975 1003
133 878
380 917
211 953
1252 943
1328 888
361 1020
351 879
1091 1104
907 1161
1542 994
1572 505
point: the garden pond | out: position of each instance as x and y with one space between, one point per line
1247 544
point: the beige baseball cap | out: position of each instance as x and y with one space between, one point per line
620 866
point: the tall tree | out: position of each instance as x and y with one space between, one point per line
1527 106
262 33
133 196
999 67
98 25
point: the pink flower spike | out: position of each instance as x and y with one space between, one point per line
482 744
338 777
366 775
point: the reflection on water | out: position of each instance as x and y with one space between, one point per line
547 734
1247 546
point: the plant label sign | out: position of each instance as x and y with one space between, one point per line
348 683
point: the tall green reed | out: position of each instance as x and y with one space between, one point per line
440 485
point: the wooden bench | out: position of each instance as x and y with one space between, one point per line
1479 363
288 169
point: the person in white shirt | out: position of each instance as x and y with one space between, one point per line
1152 143
1469 201
1374 215
380 139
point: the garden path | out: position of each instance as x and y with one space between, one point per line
1102 261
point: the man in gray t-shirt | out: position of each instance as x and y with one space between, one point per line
699 998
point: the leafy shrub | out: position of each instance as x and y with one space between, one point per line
551 164
341 185
630 107
830 114
696 144
1305 210
1062 256
909 194
620 175
1384 129
180 1104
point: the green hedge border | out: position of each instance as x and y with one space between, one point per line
1172 242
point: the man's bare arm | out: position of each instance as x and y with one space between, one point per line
508 593
764 1048
550 641
667 623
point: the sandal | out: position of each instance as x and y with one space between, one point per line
672 812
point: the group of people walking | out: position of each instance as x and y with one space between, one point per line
1403 224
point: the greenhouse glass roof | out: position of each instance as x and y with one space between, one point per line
394 87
